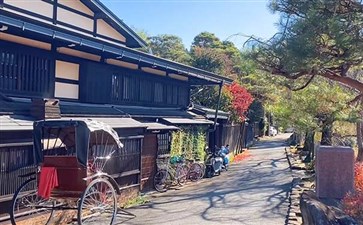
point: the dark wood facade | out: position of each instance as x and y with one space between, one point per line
30 72
133 87
44 55
26 71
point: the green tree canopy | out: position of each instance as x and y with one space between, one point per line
317 39
206 40
306 47
314 108
210 59
169 47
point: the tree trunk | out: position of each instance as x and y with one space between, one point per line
327 132
360 141
350 82
309 145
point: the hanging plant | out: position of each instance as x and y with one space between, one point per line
200 145
189 143
176 143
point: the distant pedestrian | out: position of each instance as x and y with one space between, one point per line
225 155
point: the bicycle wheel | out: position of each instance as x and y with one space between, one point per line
195 172
98 203
161 179
203 166
181 174
26 204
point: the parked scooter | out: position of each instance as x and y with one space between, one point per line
214 163
224 151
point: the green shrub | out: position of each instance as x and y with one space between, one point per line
189 143
139 200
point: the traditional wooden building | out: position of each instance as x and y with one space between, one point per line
70 59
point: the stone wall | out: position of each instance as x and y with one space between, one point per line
315 212
128 194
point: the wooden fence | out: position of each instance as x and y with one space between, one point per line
237 136
15 160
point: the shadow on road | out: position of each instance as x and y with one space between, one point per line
251 191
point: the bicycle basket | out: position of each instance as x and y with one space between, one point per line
176 159
162 163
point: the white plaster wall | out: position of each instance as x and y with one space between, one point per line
77 5
63 90
36 6
66 70
106 30
74 19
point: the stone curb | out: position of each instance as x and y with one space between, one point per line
298 185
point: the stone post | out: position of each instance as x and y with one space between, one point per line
334 171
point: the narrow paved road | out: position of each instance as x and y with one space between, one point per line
254 191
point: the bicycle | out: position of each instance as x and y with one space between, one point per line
194 170
169 175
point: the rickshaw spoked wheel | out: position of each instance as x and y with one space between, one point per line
26 204
98 203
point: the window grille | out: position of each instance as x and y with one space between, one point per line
23 72
164 144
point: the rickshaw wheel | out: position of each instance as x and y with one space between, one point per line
27 204
98 203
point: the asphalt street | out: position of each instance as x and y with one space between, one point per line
252 192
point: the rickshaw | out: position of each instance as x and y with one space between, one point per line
71 159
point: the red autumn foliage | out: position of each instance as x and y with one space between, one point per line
358 179
241 99
242 156
353 202
353 206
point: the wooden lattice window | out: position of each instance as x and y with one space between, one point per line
116 88
159 92
164 144
24 72
126 159
146 90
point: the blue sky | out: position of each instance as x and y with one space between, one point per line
187 18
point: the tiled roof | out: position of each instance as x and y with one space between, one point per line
181 121
209 113
84 110
159 126
114 122
15 106
140 111
16 122
16 114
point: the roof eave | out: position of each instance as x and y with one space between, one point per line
119 51
139 41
